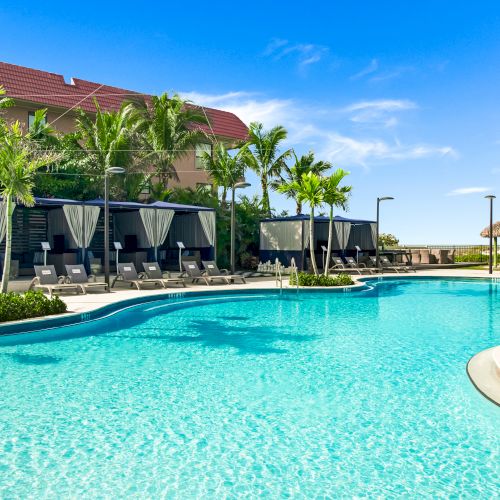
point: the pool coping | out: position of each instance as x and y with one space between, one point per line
483 370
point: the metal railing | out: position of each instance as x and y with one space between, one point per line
462 253
278 276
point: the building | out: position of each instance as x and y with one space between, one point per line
33 89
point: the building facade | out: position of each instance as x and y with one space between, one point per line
33 89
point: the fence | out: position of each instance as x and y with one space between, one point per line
463 253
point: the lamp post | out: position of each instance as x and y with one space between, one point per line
491 197
107 173
384 198
238 185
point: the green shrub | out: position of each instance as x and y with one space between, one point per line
306 279
471 257
15 306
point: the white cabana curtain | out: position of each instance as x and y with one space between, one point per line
74 217
207 220
343 230
281 235
373 227
164 219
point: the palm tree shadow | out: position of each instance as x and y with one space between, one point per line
218 334
34 359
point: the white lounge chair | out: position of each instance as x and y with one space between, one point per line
46 279
78 275
153 271
127 273
213 270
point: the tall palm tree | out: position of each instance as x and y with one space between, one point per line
301 166
334 196
170 129
225 170
309 189
19 161
262 156
107 141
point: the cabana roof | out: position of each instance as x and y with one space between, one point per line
131 205
318 218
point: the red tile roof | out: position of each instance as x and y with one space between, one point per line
50 89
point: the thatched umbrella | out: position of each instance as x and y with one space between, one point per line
485 233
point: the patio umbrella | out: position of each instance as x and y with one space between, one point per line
485 233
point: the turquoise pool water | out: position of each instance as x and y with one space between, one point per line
360 394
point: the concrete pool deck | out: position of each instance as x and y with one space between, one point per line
483 368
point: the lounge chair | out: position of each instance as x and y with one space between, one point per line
338 264
153 271
403 267
47 279
78 276
128 274
350 262
385 264
213 270
193 271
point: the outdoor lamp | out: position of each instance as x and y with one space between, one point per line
491 197
383 198
107 173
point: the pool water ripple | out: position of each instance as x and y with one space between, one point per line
342 395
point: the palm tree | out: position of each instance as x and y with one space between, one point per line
302 165
170 129
225 170
107 141
309 188
262 156
334 196
19 161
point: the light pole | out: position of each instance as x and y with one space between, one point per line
384 198
238 185
491 197
107 172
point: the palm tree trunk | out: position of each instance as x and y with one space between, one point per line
223 197
330 241
299 207
9 209
311 242
265 197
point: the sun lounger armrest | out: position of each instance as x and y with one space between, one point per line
224 271
63 280
92 277
165 274
142 276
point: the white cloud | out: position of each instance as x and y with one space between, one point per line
468 190
311 127
378 111
351 151
307 53
371 68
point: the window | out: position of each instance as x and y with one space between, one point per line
200 149
31 119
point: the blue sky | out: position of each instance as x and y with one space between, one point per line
404 95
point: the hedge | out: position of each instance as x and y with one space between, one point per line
15 306
306 279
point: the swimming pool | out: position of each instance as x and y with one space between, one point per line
348 394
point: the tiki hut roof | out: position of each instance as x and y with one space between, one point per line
485 233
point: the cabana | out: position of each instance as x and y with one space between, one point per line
287 237
75 232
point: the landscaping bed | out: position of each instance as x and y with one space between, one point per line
32 304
